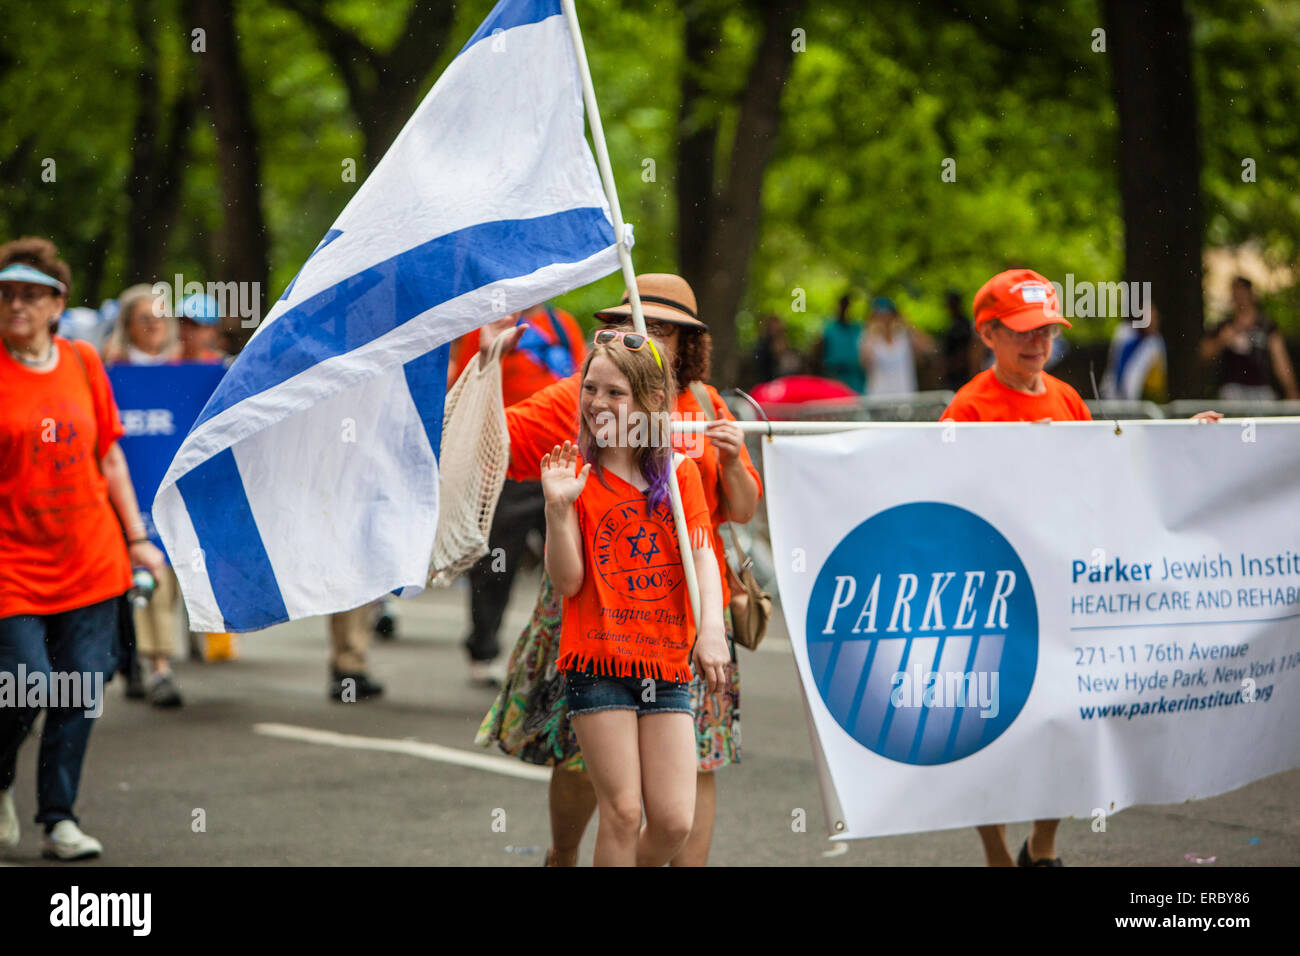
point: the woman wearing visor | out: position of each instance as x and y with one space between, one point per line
70 532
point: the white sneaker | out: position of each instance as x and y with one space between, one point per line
487 673
67 842
8 820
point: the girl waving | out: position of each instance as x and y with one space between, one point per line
628 637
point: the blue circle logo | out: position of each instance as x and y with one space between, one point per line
923 633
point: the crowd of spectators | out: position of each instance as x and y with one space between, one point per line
1243 353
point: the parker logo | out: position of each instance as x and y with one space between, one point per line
923 633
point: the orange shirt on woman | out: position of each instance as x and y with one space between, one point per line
550 418
61 545
539 423
631 617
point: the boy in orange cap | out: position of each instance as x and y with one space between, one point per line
1017 316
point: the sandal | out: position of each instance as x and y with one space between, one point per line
1024 858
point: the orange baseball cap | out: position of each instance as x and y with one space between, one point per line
1020 299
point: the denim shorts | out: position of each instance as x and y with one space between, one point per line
589 693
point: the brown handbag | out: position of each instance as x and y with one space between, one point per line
751 606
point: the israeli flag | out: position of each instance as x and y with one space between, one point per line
309 483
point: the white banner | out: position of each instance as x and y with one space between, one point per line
1011 622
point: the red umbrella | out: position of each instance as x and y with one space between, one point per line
780 397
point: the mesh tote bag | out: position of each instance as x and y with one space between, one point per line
471 468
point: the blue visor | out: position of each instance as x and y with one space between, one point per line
18 272
202 309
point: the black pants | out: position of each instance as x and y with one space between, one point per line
520 509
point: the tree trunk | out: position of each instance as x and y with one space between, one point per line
737 210
93 262
697 144
1159 171
242 243
157 159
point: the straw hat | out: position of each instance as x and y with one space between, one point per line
664 298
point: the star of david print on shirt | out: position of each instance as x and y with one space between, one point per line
637 555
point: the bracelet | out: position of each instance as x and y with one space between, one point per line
137 541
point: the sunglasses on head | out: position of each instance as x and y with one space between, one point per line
632 341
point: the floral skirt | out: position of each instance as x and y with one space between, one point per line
529 718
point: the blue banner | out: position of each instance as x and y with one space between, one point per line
159 404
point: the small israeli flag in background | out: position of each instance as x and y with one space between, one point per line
309 483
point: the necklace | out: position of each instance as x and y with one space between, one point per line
31 363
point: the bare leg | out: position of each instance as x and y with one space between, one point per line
1042 840
995 845
696 850
668 772
608 739
572 801
350 640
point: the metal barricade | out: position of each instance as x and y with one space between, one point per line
1187 407
1123 409
917 407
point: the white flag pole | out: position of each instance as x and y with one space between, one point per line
629 280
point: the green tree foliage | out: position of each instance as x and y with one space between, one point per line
878 103
1249 83
70 98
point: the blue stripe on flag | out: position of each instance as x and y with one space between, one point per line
329 237
377 300
426 379
238 567
513 13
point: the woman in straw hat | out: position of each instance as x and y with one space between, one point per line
528 718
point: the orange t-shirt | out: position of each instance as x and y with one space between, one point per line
985 399
550 418
61 546
631 617
539 423
521 373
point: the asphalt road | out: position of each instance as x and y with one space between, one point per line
284 776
